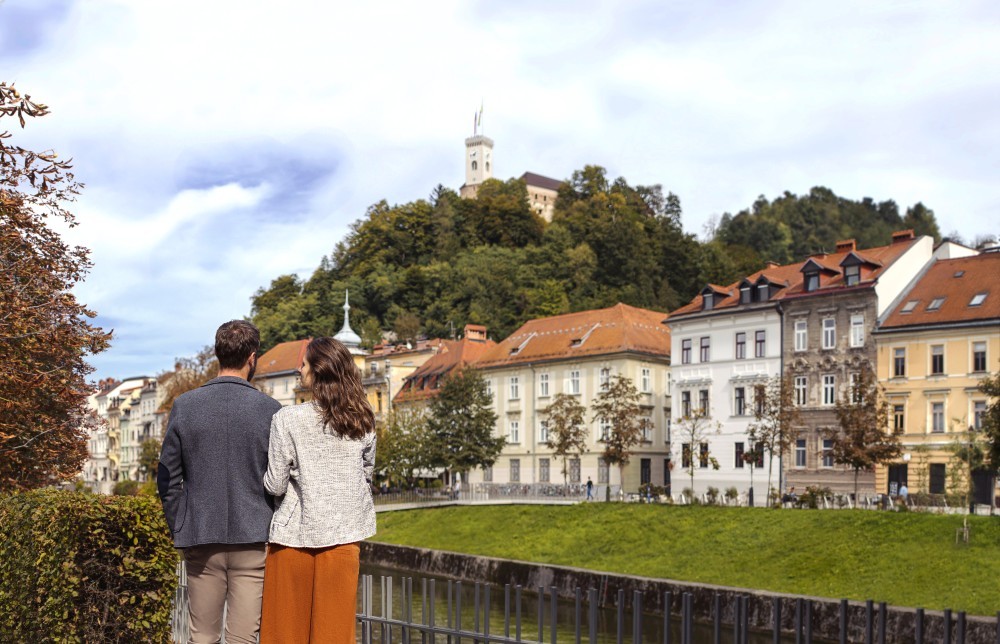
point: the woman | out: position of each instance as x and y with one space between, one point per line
320 461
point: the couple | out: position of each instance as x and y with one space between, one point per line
284 565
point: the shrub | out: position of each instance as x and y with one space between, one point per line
126 488
713 495
84 567
732 494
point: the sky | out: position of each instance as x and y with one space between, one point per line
225 143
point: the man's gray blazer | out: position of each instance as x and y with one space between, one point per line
212 464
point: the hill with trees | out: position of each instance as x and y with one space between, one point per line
433 265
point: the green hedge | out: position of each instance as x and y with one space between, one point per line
77 567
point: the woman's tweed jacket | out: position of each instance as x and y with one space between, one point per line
323 481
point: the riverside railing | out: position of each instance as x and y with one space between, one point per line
499 616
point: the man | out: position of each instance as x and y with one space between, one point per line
210 481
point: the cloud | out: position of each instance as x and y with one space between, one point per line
225 143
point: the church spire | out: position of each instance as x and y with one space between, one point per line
347 335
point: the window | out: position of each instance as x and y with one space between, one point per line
543 470
685 351
685 404
574 470
856 393
374 368
908 308
645 380
760 344
646 425
800 391
759 399
738 464
605 378
899 362
574 382
515 470
686 455
935 304
827 452
979 356
603 471
857 330
740 403
937 360
543 385
937 478
801 337
937 417
605 429
800 452
812 281
977 299
515 388
829 333
899 418
514 431
741 345
475 165
489 389
745 291
705 354
852 274
543 431
708 301
829 389
703 401
488 474
763 292
703 455
978 413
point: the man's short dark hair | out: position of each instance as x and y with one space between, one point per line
234 342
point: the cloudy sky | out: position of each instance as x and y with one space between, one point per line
225 143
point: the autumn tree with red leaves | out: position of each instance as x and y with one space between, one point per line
45 334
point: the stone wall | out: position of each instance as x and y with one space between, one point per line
900 623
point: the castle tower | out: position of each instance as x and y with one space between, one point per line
478 163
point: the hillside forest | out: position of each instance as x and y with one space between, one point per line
428 267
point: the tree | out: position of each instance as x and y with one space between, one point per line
149 457
775 417
567 433
189 373
618 407
863 414
991 419
461 423
45 334
694 430
402 445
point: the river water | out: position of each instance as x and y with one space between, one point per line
652 625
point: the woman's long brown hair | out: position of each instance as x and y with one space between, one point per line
337 389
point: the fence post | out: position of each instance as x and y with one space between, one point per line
869 618
960 636
809 620
431 613
592 613
843 621
947 626
621 616
636 619
883 617
578 615
716 619
668 598
541 613
798 621
554 613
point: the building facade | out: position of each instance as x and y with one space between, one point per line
934 348
578 354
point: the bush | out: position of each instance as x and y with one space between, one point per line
84 567
713 495
732 494
126 488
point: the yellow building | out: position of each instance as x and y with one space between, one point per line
938 342
387 367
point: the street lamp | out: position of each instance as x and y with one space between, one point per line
972 485
388 386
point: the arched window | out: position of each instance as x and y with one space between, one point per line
475 165
487 166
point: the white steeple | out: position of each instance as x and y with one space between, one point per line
347 335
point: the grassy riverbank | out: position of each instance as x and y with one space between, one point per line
906 559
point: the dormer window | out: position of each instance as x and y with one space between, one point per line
935 304
745 294
977 299
852 274
708 301
812 281
763 292
912 304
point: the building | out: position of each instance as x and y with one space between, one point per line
422 385
935 345
828 318
578 354
102 469
389 365
725 343
542 193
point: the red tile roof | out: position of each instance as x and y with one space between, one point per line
957 281
780 277
284 357
617 329
453 354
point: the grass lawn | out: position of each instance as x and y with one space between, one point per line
905 558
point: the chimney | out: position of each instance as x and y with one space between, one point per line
771 264
902 236
846 245
475 332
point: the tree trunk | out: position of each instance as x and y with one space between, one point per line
621 481
856 471
770 465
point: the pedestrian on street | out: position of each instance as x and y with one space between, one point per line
590 489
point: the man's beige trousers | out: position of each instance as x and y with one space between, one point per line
225 576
